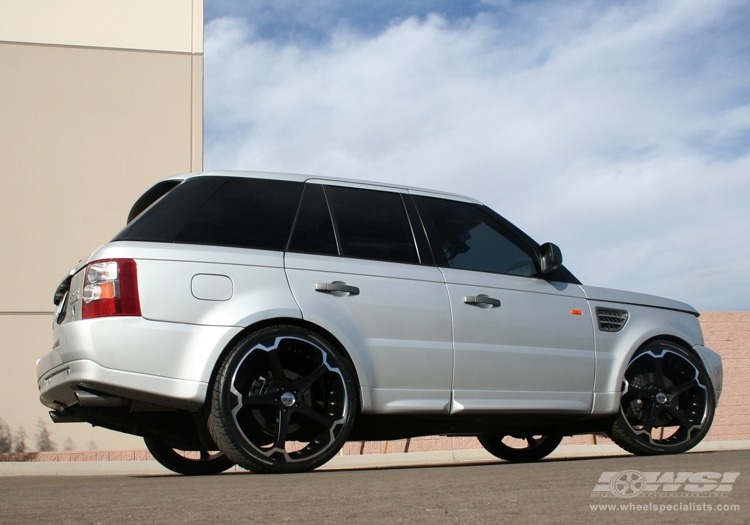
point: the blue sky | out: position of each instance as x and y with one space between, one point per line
314 20
618 130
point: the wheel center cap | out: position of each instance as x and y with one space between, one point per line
287 398
661 398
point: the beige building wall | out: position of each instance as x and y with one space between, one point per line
98 100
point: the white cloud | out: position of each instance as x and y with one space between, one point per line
619 133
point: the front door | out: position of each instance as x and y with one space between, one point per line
522 343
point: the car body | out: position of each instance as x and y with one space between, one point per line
425 312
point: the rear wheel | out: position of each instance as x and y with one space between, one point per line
519 449
667 403
190 463
284 401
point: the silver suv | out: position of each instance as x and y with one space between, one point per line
264 319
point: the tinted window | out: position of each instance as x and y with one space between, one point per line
163 221
222 211
372 225
246 213
313 229
151 196
472 240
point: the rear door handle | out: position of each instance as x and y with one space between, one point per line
482 299
336 286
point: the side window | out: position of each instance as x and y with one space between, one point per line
313 229
372 225
163 221
246 213
472 240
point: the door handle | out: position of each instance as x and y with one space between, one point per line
482 299
336 286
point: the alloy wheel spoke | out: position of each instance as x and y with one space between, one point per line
679 389
308 381
659 372
324 421
640 392
653 413
279 377
263 400
679 417
284 416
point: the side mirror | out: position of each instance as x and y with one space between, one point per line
550 258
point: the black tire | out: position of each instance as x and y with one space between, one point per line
206 464
535 448
666 392
284 401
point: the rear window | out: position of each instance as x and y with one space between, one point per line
221 211
151 196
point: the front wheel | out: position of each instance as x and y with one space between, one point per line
201 463
667 403
521 449
284 401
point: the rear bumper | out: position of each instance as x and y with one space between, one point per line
57 388
168 364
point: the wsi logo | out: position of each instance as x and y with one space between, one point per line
632 483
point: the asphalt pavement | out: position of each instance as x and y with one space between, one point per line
441 457
561 491
573 486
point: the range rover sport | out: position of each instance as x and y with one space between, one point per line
264 319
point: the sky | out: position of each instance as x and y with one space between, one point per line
618 130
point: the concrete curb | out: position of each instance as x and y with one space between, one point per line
367 461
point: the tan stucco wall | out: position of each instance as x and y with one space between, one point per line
98 101
154 25
83 132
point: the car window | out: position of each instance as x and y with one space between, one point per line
372 225
246 213
163 221
155 193
313 229
472 240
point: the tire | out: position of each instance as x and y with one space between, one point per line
667 403
205 465
284 401
536 447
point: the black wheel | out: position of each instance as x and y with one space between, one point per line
284 401
667 403
202 463
519 449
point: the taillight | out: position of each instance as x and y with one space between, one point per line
110 288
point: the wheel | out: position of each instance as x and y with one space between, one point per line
204 464
521 449
667 403
283 401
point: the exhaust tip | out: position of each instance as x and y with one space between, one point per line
58 417
89 399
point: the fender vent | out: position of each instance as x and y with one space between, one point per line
611 320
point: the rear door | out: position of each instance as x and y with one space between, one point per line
521 342
356 270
